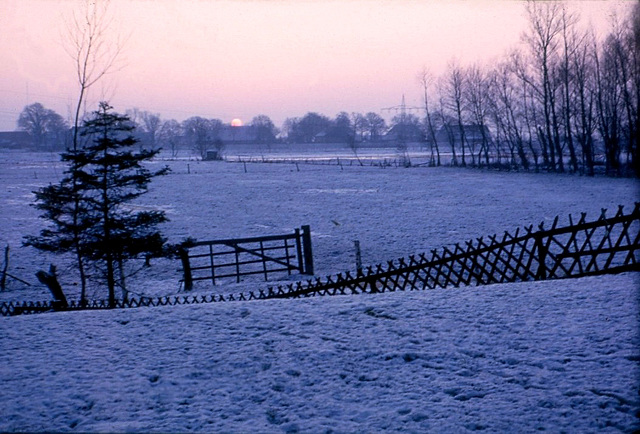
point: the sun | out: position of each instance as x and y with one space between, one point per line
236 122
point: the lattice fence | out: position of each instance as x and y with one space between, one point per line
606 245
581 248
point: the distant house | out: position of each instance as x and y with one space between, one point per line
404 133
333 135
15 139
474 135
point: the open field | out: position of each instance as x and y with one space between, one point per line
393 212
555 355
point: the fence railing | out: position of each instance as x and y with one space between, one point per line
237 257
606 245
581 248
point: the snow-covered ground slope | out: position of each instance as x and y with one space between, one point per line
556 355
393 212
561 356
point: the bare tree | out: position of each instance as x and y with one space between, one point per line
627 47
447 123
360 125
582 67
569 45
197 132
147 123
89 46
151 124
543 41
377 126
41 123
608 95
505 103
426 80
265 129
451 91
554 100
94 56
633 48
169 136
476 96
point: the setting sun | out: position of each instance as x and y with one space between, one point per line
236 122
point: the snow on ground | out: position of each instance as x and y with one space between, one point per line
555 355
393 212
561 356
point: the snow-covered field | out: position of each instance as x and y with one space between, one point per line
560 356
556 355
393 212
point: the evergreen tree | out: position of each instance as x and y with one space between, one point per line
88 209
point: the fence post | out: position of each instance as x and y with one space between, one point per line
186 268
358 256
542 257
299 251
306 246
235 246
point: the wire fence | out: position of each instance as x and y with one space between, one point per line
579 248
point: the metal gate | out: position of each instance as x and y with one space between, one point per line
237 257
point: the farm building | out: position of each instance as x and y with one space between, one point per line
405 133
474 135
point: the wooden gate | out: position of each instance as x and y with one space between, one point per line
237 257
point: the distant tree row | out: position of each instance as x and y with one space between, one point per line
344 128
49 131
566 102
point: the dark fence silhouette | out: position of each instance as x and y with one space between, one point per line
581 248
607 245
364 161
237 257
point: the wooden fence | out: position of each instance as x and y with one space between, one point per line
581 248
220 259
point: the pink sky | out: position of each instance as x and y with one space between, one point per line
237 59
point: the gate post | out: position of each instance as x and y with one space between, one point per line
299 251
306 246
186 268
542 257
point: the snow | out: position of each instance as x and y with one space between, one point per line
393 212
555 355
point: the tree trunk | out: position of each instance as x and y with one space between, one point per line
50 279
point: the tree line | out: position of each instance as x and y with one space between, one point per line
565 101
51 132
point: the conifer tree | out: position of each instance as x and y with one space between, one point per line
88 208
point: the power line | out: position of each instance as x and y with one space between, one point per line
402 108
